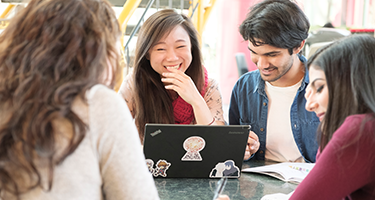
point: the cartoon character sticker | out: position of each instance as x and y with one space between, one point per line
161 168
150 165
227 168
218 170
193 145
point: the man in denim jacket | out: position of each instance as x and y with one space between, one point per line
271 99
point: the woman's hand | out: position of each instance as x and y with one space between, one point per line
181 83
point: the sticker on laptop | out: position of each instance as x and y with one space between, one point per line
150 165
161 168
193 145
227 168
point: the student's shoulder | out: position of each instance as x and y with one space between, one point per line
128 82
354 124
129 77
253 76
100 91
359 119
100 96
107 109
212 83
250 79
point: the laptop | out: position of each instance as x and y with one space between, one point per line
195 151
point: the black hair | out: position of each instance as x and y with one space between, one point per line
328 25
279 23
349 67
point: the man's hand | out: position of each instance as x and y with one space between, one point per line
252 145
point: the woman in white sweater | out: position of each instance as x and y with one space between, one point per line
63 133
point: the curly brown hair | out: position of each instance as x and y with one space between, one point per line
52 52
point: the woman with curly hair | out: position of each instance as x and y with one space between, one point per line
64 134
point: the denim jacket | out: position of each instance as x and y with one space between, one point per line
249 106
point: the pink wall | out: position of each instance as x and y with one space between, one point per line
350 13
232 15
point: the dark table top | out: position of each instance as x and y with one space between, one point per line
248 186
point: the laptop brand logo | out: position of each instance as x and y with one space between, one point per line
155 133
233 132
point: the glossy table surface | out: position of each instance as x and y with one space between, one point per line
248 186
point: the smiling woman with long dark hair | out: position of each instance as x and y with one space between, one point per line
64 134
169 84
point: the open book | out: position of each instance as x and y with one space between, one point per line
288 172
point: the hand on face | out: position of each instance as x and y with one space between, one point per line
252 145
182 84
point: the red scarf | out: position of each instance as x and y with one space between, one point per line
183 111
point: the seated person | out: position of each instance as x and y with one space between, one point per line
169 84
64 134
342 95
271 99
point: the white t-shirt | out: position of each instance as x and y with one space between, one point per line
280 143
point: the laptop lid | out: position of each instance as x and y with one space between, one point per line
195 151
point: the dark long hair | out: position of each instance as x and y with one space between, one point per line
152 101
349 67
279 23
52 52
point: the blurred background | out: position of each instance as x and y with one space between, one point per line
225 53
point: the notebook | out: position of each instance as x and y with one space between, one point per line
288 171
195 151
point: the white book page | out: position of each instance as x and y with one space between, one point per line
277 196
288 172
